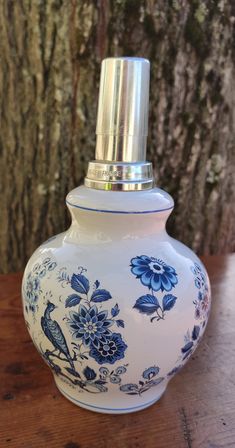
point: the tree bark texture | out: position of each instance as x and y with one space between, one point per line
51 52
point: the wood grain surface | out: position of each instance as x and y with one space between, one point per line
51 51
198 409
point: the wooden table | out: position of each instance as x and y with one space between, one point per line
198 409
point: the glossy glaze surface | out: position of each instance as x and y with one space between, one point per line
115 305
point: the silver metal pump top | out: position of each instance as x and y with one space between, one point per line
122 127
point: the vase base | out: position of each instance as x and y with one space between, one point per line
107 410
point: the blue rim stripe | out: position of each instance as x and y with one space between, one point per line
109 409
119 211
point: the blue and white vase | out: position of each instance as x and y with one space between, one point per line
114 305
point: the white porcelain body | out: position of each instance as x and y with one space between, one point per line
116 257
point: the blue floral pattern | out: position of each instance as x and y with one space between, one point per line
89 325
156 275
150 380
114 376
202 309
110 350
32 292
93 325
88 379
32 289
191 339
68 373
202 302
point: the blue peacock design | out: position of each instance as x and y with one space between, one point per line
53 332
87 379
157 276
88 323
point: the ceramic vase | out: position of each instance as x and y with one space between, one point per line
114 305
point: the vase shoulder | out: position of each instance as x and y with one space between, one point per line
155 200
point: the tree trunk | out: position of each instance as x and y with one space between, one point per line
51 52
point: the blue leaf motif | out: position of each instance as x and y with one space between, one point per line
72 300
115 310
80 283
89 373
187 354
147 304
120 323
187 347
195 332
100 295
155 382
168 302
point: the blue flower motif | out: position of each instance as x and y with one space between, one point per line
143 386
198 283
51 266
131 389
90 325
200 296
115 379
120 370
114 375
109 351
32 285
150 372
154 273
196 269
202 303
32 291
